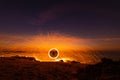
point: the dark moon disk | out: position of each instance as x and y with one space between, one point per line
53 53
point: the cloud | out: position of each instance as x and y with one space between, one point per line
48 15
52 40
105 39
58 11
41 41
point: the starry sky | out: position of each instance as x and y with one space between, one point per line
95 23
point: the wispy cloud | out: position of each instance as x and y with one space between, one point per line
48 15
42 41
56 40
105 39
57 11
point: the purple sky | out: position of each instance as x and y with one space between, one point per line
82 19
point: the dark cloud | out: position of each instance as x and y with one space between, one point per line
48 15
60 10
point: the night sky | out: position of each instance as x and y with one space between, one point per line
86 19
92 23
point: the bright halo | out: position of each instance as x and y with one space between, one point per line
53 53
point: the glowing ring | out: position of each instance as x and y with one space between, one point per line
53 53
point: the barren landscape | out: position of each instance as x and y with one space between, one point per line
27 68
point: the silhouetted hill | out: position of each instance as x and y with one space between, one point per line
27 68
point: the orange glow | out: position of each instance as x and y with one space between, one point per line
70 48
55 49
58 41
64 59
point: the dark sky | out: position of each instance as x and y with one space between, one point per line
86 19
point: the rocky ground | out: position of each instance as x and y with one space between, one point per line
27 68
